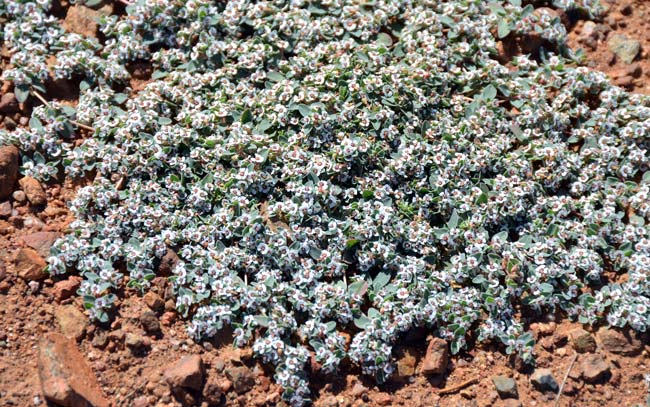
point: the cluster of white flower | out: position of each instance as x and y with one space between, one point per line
334 167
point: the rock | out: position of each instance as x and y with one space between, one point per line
212 393
141 401
84 20
582 341
73 323
66 379
406 362
594 368
626 81
9 163
242 378
150 323
34 191
9 123
622 343
626 49
19 196
134 341
543 380
41 242
29 265
168 318
168 262
8 103
5 209
65 289
186 373
154 301
358 390
506 387
437 357
100 340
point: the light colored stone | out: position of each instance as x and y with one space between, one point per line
29 265
66 379
33 190
72 322
625 48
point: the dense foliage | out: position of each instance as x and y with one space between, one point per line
335 166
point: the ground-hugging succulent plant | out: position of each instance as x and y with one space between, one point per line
335 167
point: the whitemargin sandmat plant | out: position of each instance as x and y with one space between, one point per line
332 166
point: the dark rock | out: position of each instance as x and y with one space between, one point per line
506 387
29 265
34 191
543 380
8 103
41 242
150 323
73 323
10 124
622 343
594 369
626 10
168 262
242 378
437 357
9 163
582 341
185 373
66 379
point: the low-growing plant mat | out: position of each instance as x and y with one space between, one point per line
324 169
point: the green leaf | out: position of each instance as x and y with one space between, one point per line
384 39
362 322
246 117
503 29
120 98
483 198
304 110
453 220
380 281
262 320
546 288
315 253
158 74
351 243
489 93
275 76
552 230
358 288
35 124
21 92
